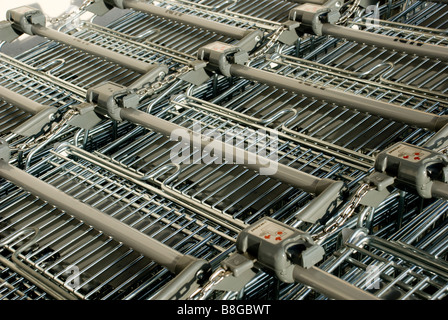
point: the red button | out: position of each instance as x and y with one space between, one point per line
417 158
279 232
278 238
416 153
405 157
268 236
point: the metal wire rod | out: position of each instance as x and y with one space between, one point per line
21 101
296 178
130 63
386 110
213 26
153 249
393 43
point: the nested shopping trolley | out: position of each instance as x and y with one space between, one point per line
206 156
31 104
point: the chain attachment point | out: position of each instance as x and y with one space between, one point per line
216 277
53 128
347 213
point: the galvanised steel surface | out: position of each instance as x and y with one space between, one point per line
104 213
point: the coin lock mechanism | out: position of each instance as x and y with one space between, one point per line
312 15
413 168
220 56
279 247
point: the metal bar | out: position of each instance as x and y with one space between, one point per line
27 272
129 63
439 190
291 176
14 63
153 249
174 288
38 280
417 30
21 102
329 285
386 110
213 26
381 41
317 208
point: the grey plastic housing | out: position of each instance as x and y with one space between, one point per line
310 15
24 18
279 247
110 98
218 54
413 167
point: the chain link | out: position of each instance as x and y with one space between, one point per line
64 17
346 214
168 79
53 129
273 40
349 13
216 277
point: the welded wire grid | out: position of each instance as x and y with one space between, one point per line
324 121
107 268
422 11
416 272
37 89
73 66
128 45
126 150
235 99
158 32
406 72
206 12
225 187
427 231
390 270
136 35
209 4
344 165
275 11
15 287
266 107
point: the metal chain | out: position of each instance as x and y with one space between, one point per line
170 78
443 150
350 11
216 277
66 16
346 214
273 40
53 129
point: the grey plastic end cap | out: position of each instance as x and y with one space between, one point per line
5 151
7 32
24 18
